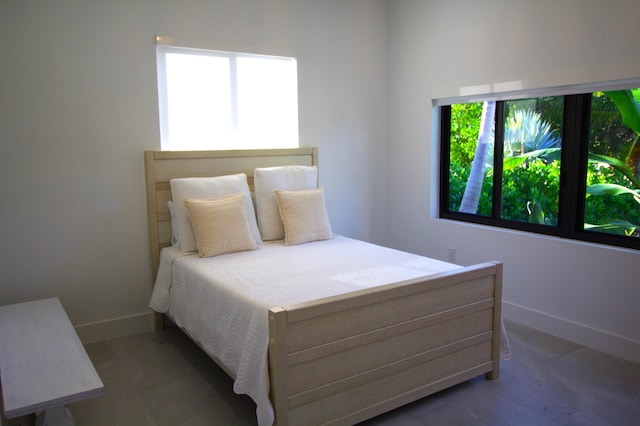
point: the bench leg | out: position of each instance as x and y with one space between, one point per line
56 416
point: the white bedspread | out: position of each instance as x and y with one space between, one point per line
223 301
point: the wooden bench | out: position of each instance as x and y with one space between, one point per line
43 365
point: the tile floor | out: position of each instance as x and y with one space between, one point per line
162 378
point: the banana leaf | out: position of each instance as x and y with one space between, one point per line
617 164
627 102
549 154
612 189
552 154
615 226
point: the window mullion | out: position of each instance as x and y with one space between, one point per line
582 147
582 154
233 84
498 154
445 160
573 164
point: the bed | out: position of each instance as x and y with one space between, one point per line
374 328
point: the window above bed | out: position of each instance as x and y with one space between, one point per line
213 99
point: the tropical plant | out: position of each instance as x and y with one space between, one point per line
622 181
607 219
530 193
526 131
531 161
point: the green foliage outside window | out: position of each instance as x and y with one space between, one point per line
529 188
612 204
616 214
531 177
537 183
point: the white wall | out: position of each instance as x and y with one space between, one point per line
79 107
583 292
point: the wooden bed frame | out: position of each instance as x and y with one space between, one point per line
344 359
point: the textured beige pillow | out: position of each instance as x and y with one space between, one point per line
220 225
303 215
208 188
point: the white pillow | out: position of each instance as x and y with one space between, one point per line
208 187
220 225
304 216
287 178
175 236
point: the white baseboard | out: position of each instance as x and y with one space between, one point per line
603 341
600 340
116 327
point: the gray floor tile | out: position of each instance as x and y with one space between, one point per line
162 378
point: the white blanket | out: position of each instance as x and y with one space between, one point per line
223 302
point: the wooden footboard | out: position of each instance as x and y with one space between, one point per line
348 358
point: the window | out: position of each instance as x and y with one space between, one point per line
563 165
212 99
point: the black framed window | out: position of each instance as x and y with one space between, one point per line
562 165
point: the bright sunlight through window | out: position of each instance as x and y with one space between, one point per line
225 100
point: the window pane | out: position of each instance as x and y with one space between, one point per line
466 120
531 163
212 99
612 202
198 101
267 102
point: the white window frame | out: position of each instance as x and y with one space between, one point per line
165 45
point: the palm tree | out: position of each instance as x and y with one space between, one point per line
473 189
526 131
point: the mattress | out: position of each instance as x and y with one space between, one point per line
222 302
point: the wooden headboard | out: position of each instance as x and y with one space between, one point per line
162 166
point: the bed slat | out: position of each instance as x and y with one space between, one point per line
388 332
395 350
415 380
392 305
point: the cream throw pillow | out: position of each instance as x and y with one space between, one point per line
303 215
208 188
220 225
